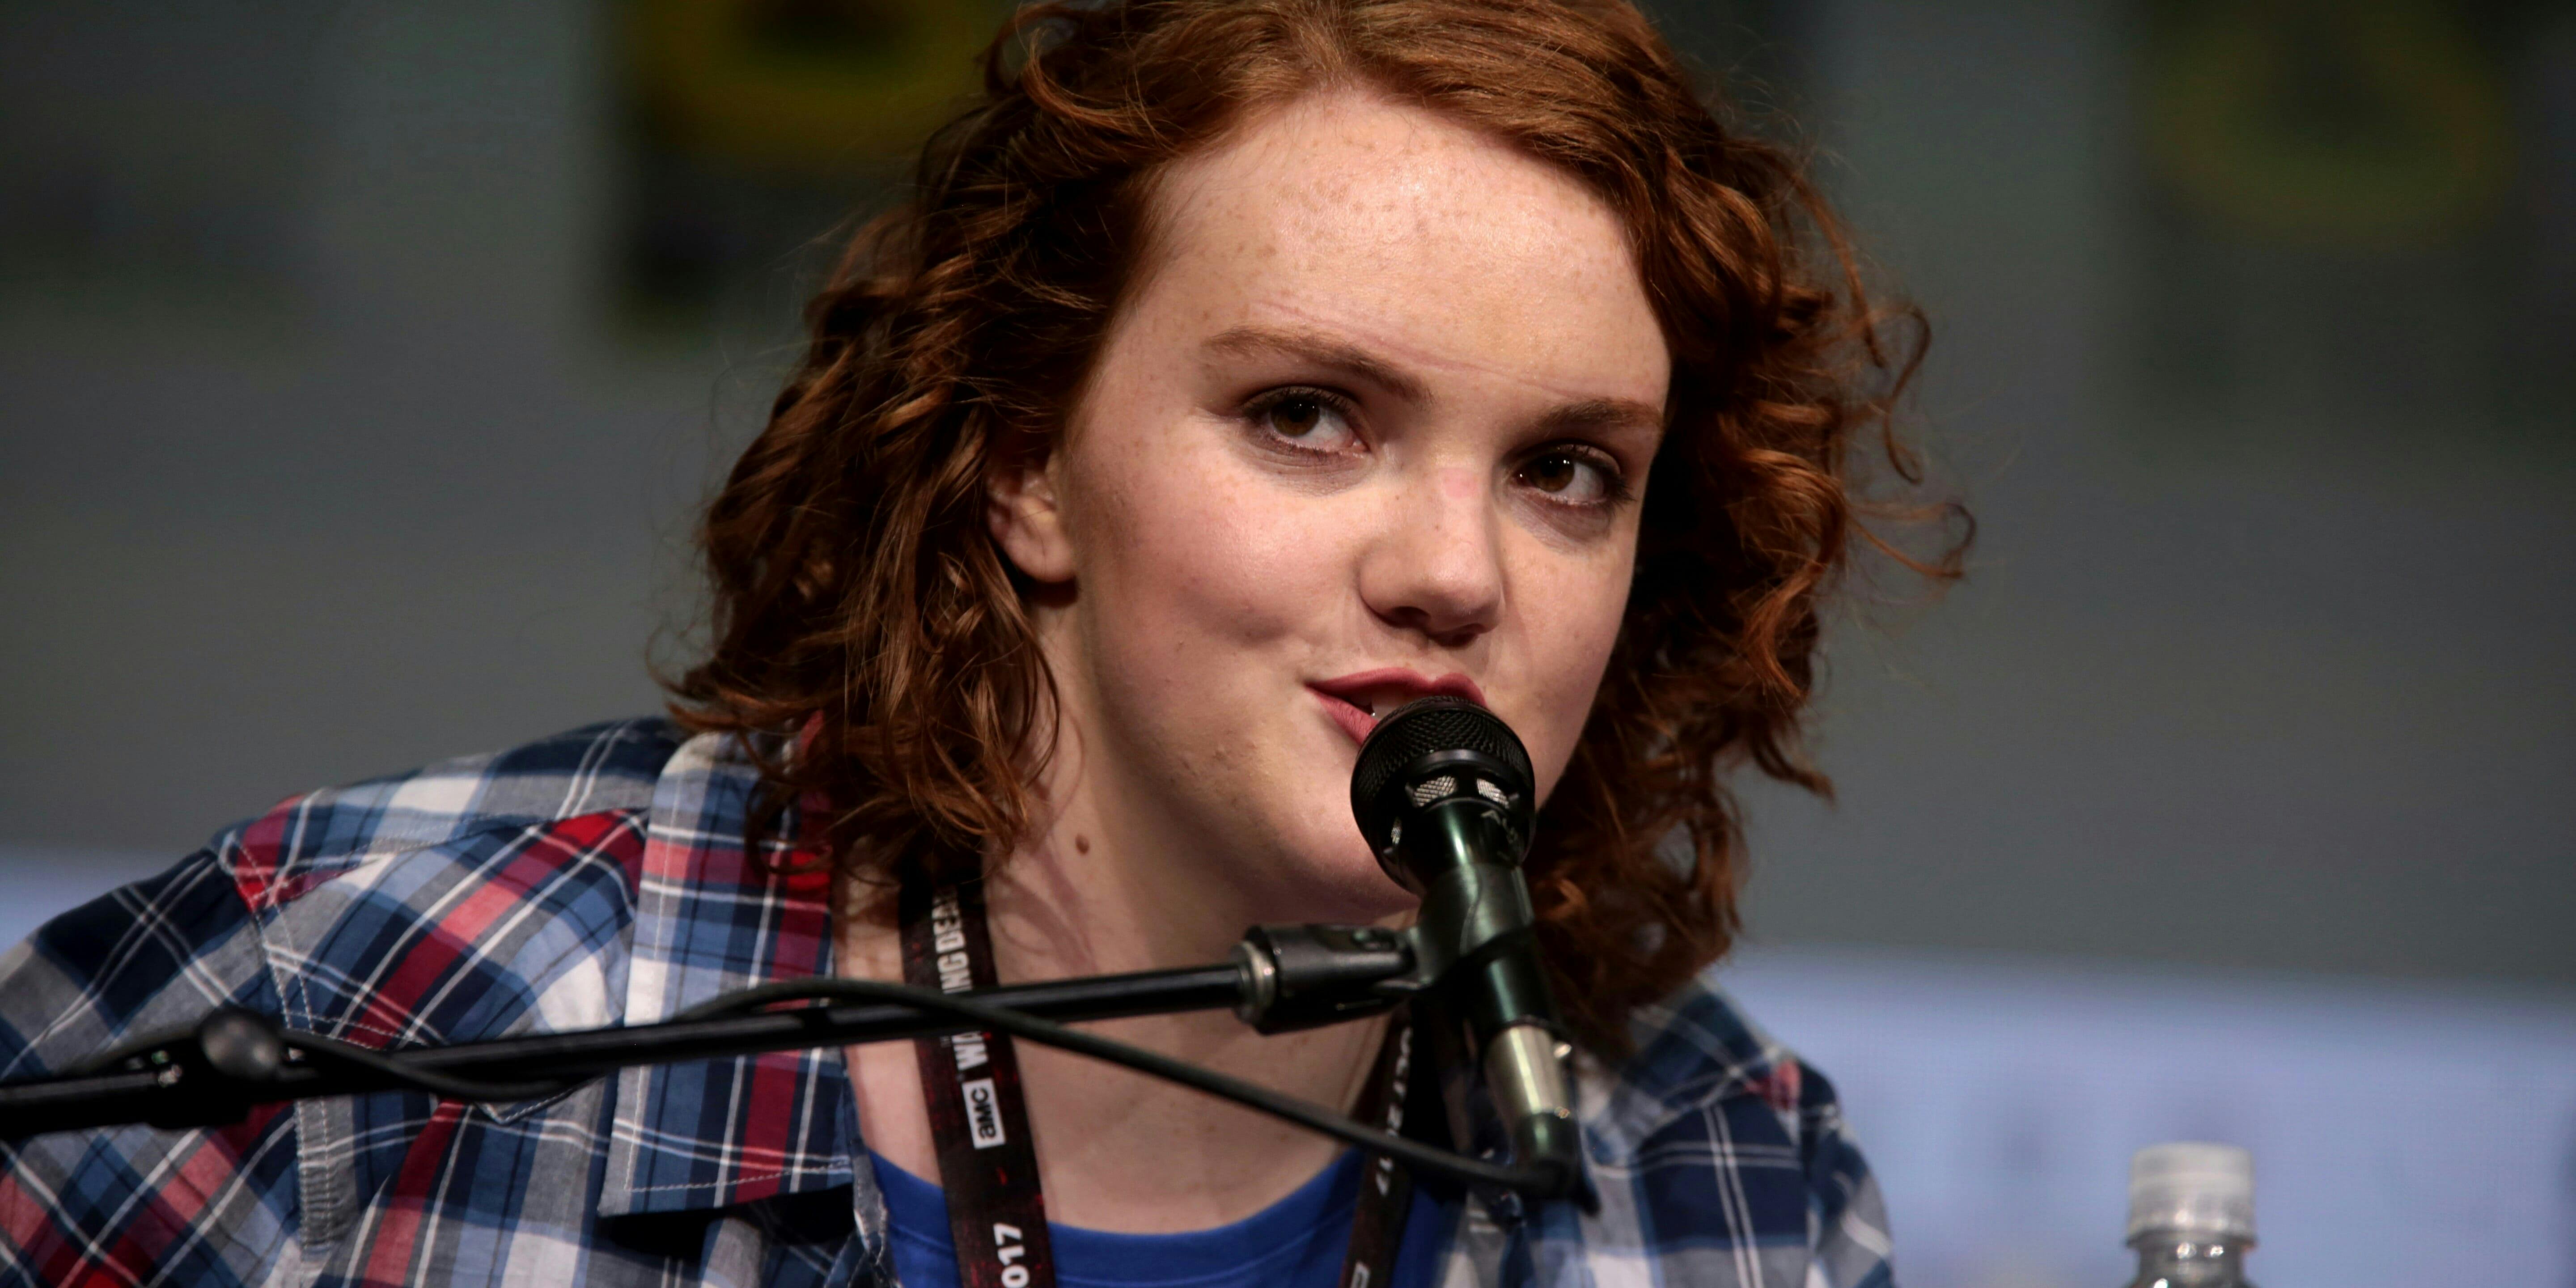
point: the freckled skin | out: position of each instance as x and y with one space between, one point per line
1212 580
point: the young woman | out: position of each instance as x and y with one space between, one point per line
1238 371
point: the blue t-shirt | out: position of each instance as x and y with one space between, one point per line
1297 1242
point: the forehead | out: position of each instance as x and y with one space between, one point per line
1399 230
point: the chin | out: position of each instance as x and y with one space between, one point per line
1336 880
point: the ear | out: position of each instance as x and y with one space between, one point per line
1020 506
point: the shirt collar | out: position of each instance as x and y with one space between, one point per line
710 918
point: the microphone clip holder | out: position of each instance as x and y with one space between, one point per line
1310 976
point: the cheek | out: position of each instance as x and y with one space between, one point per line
1186 552
1574 628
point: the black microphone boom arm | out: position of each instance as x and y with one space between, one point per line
1281 977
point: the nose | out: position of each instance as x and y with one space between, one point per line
1436 565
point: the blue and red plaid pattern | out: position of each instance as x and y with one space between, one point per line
600 878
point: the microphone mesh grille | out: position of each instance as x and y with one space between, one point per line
1420 728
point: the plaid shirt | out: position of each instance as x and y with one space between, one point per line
599 878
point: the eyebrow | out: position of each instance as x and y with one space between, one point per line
1604 415
1325 351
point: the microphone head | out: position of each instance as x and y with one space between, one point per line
1433 750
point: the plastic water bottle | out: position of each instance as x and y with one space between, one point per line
2191 1215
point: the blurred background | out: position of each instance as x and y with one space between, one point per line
360 365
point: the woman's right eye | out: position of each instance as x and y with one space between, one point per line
1304 420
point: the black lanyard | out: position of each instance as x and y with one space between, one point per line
979 1121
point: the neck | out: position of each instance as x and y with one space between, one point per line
1083 899
1136 1153
1118 1150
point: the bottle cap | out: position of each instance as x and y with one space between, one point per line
2192 1188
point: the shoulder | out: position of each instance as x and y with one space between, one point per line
472 898
464 897
602 772
1716 1146
1696 1050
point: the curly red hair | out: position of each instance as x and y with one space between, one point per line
861 600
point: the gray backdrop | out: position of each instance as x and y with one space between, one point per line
326 449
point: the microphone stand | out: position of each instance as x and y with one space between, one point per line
1281 978
237 1059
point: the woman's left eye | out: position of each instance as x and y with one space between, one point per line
1568 476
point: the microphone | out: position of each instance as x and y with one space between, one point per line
1444 793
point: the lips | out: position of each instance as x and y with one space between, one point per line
1355 701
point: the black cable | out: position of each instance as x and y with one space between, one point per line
1546 1181
388 1066
440 1084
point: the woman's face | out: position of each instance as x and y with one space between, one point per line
1375 423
